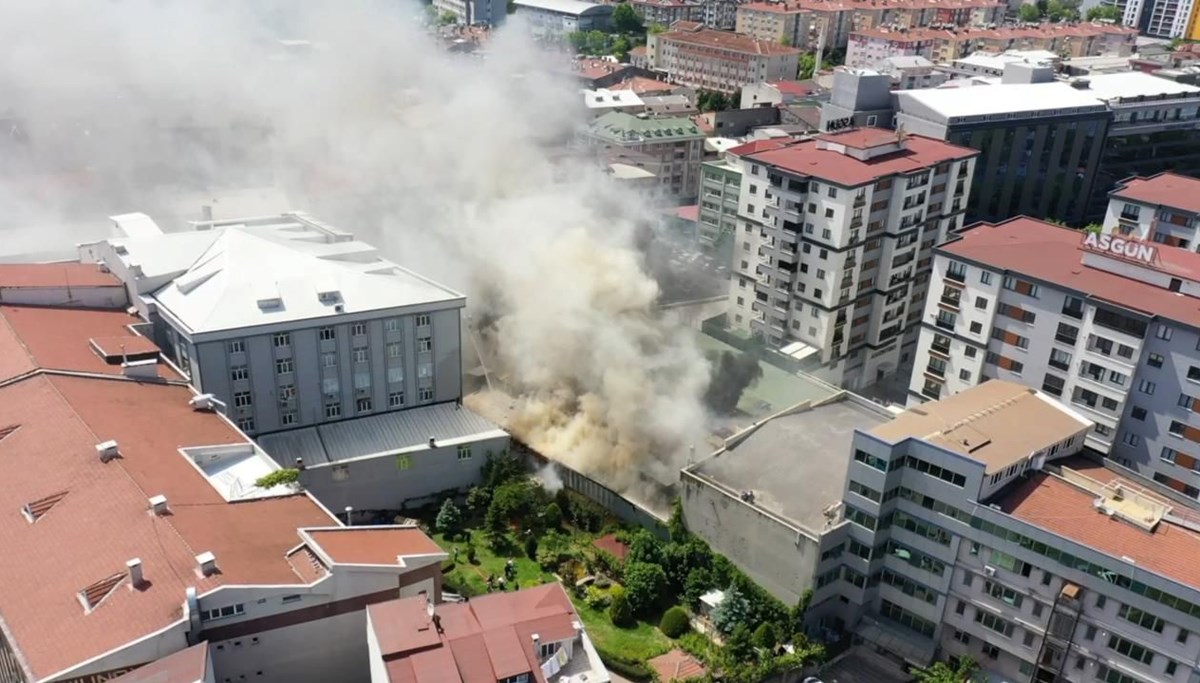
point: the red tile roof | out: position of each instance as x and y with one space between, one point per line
807 159
610 544
760 146
60 338
1165 189
691 34
488 638
1052 254
676 665
67 274
373 545
1053 504
185 666
1083 30
689 213
642 85
792 88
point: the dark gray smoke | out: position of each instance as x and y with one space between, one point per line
732 374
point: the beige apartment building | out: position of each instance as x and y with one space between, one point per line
698 57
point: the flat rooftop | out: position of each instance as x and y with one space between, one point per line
1005 98
1133 84
384 434
996 423
55 275
776 389
795 464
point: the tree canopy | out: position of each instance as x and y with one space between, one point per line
625 19
960 670
1110 12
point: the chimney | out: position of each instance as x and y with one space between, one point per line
537 643
135 572
207 563
206 213
432 442
158 505
107 450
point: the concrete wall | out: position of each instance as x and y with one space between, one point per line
404 479
137 654
86 297
776 555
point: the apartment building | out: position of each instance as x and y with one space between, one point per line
699 57
720 14
670 147
1167 19
832 257
137 528
867 47
1040 143
533 634
553 20
1164 208
1104 322
471 12
667 12
775 22
1155 128
313 343
975 531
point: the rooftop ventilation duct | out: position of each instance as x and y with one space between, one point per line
158 505
107 450
140 369
204 402
134 566
206 562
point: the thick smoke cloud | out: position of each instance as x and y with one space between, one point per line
442 160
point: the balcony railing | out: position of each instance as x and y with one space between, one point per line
943 349
860 200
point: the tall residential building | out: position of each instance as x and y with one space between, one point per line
1105 323
553 20
667 12
833 255
490 12
669 147
531 635
315 344
1158 18
720 188
699 57
136 527
1155 127
1040 143
1164 208
775 22
973 531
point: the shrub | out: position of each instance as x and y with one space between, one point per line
623 664
765 636
288 476
674 622
619 610
531 547
449 518
471 555
552 515
596 599
645 585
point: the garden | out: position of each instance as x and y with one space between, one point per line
510 533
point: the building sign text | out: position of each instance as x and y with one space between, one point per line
1114 245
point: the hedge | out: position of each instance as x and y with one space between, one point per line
622 664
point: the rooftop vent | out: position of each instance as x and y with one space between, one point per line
107 450
432 442
206 562
328 291
140 369
158 505
134 569
93 595
268 297
204 402
38 508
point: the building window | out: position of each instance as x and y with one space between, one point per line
1193 373
1154 360
239 372
1163 332
985 277
395 375
330 386
362 381
1131 439
425 394
422 321
395 350
236 346
287 392
360 355
1177 428
1130 649
980 302
281 340
1144 619
363 405
1147 387
358 329
424 344
328 360
1138 413
333 410
241 399
464 452
283 366
288 417
327 334
222 612
395 399
246 424
976 327
341 472
391 325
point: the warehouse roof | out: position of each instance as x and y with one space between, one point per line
573 7
1135 84
378 435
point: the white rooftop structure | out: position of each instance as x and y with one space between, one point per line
575 7
629 172
1018 99
906 62
243 273
603 100
720 145
1134 84
994 62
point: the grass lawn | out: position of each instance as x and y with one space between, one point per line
489 563
640 642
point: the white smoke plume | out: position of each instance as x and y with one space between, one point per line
442 160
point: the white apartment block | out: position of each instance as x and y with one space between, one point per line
1164 209
490 12
1109 325
835 242
699 57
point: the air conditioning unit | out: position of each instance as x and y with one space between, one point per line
203 402
989 570
107 450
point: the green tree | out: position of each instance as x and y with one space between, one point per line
620 47
1095 228
733 610
765 637
513 500
645 585
478 499
645 547
657 28
1109 12
1029 13
448 18
808 64
597 43
676 525
785 41
552 515
674 622
698 582
625 19
449 518
619 609
960 670
740 644
498 469
1062 10
578 40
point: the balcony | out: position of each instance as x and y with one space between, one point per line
934 369
943 349
945 324
860 199
1128 215
957 275
951 301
